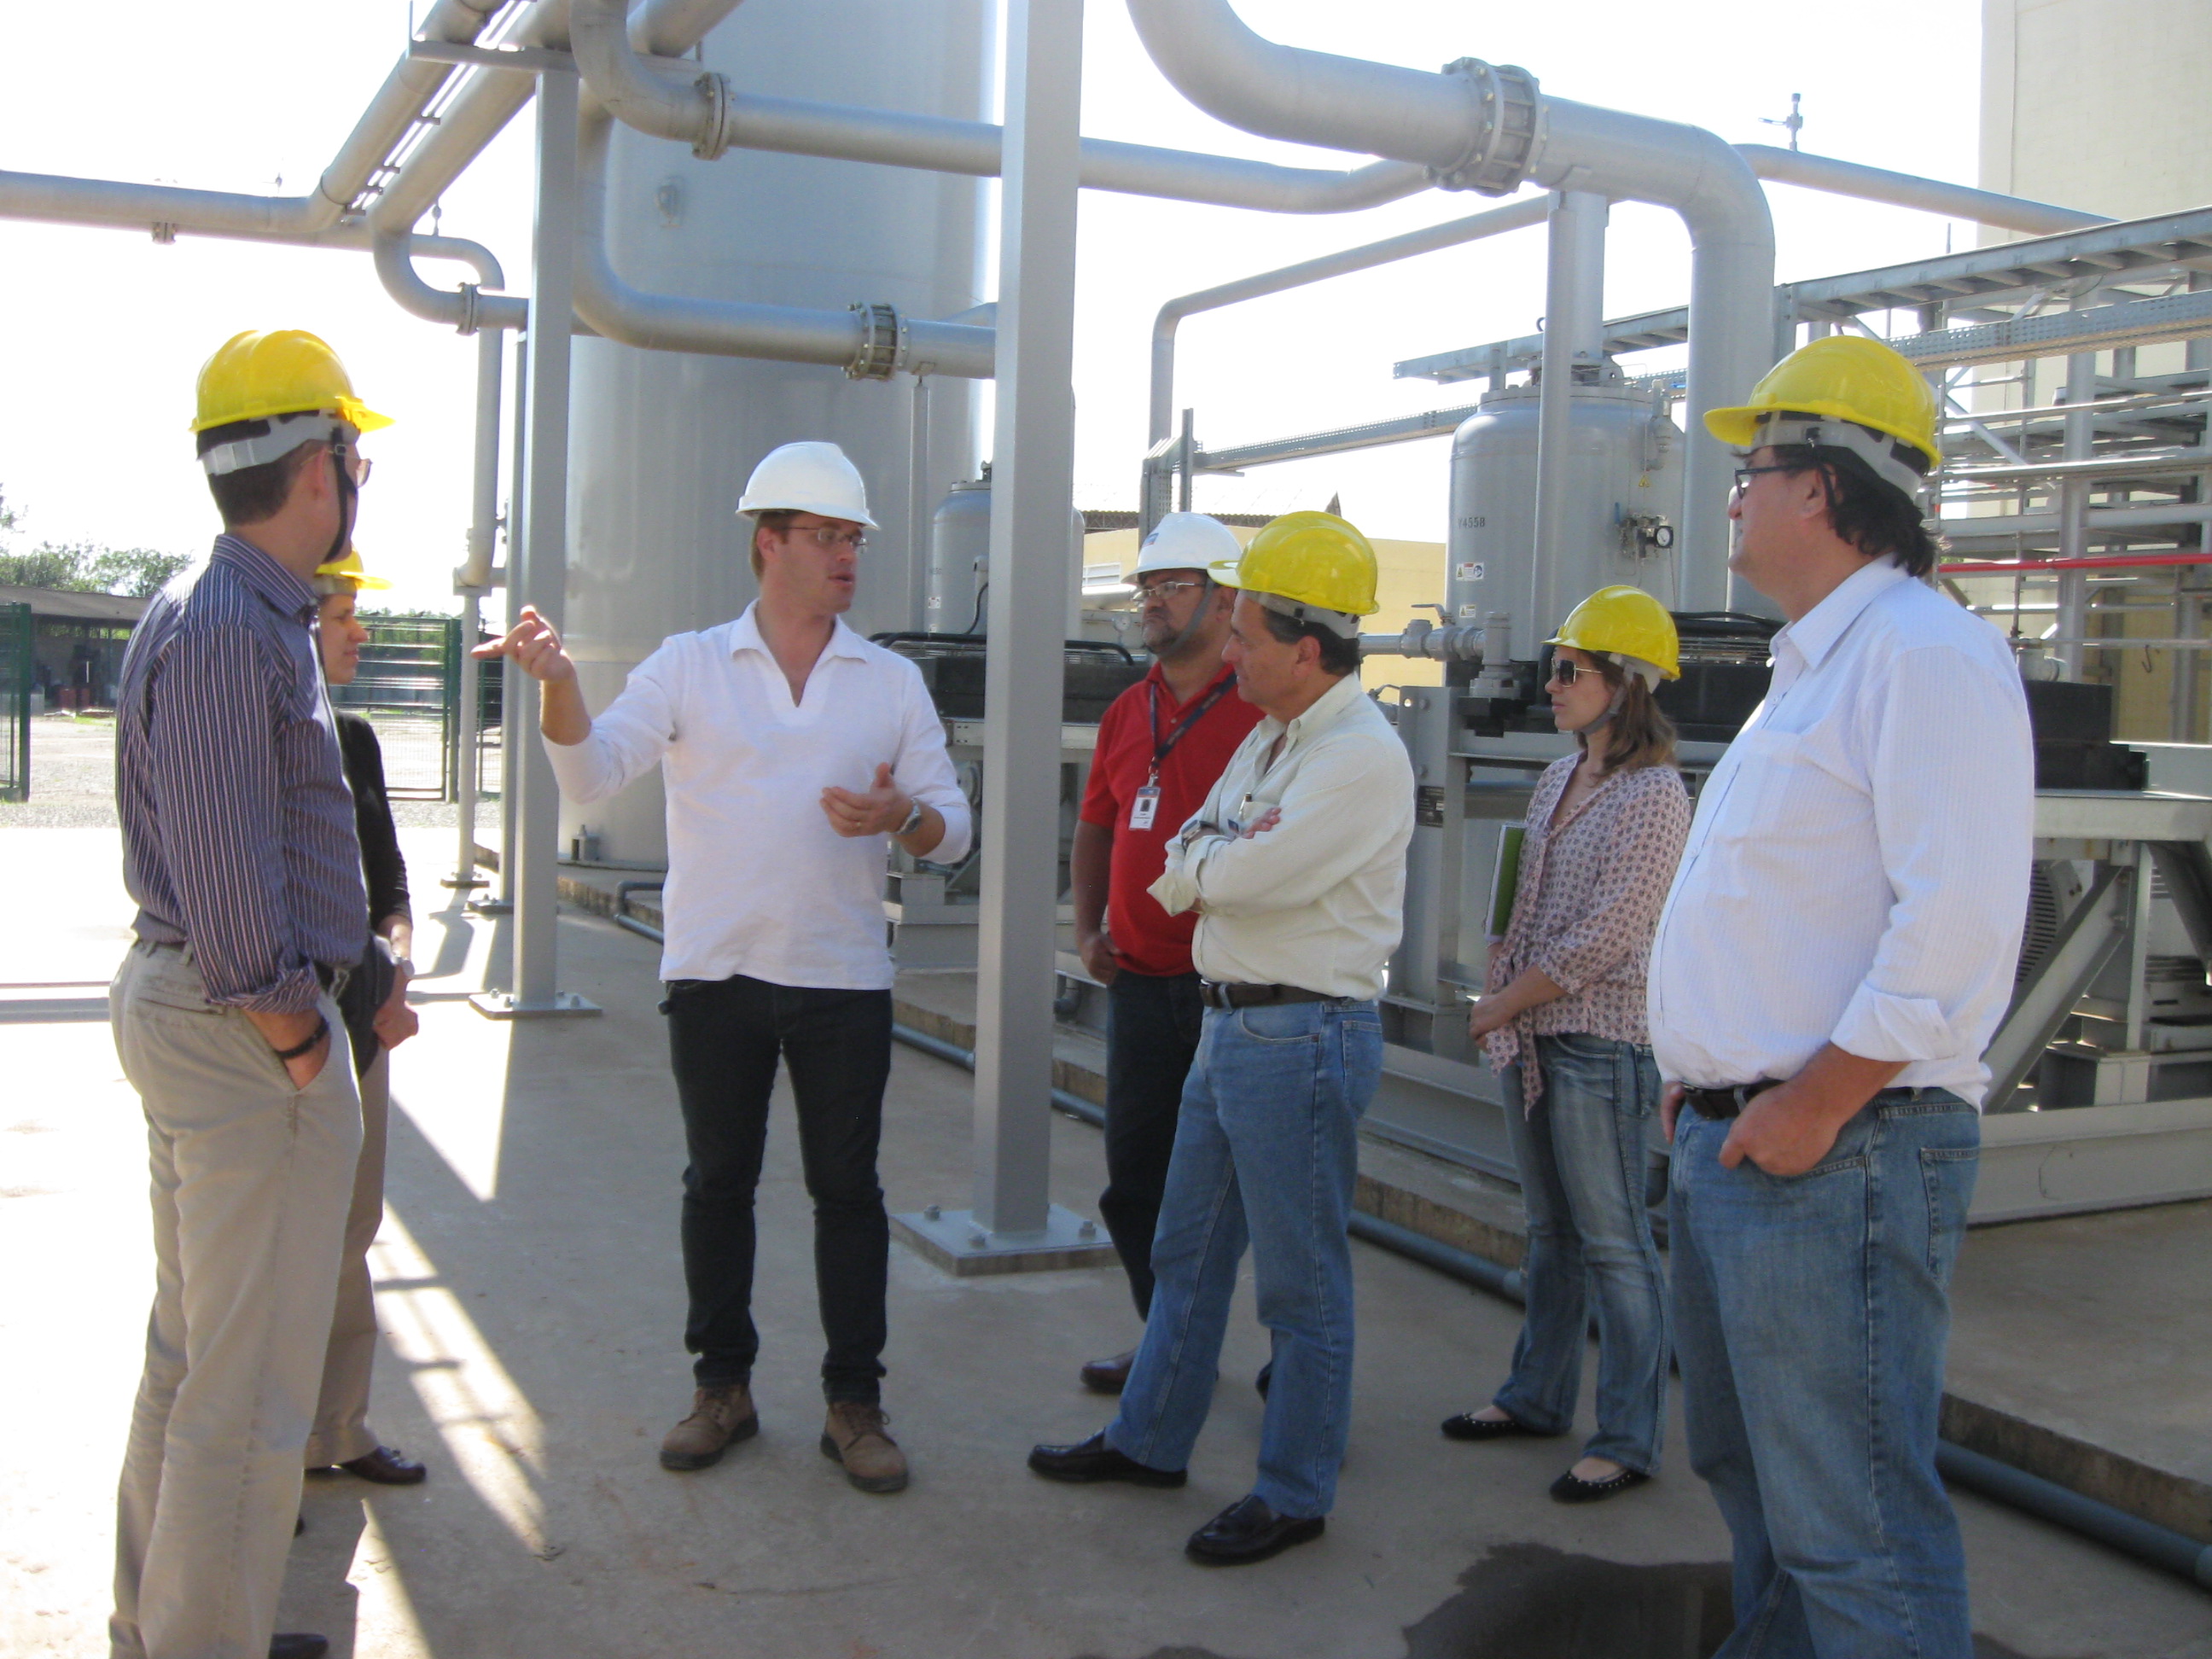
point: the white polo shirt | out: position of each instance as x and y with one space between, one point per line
758 882
1857 870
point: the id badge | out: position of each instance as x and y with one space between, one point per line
1143 806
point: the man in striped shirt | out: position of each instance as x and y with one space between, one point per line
239 847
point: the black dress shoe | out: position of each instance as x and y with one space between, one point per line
1467 1426
298 1644
1094 1460
1571 1488
388 1465
1108 1376
1248 1530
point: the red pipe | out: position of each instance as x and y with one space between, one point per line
2110 561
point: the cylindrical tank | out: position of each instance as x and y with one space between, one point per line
661 442
959 552
1624 494
960 562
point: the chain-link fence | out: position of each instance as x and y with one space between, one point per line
18 675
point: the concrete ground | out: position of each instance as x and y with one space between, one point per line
531 1298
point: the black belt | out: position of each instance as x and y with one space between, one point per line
1214 994
1729 1101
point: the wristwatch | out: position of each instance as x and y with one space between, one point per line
913 821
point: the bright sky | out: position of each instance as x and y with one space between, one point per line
104 331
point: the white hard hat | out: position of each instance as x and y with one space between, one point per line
807 477
1188 541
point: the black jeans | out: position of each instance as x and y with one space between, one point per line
724 1037
1152 1023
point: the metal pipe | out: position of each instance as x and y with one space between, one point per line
2073 507
2093 518
713 117
1484 128
2108 561
1823 173
850 339
472 581
1574 337
1515 216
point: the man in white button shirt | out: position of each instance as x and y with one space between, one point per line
1297 867
791 748
1836 953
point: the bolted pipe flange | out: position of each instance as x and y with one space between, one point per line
1509 116
882 337
715 135
466 322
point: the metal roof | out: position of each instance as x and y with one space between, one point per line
66 605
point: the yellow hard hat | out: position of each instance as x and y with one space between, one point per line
1315 565
1844 377
1624 621
286 371
1223 571
345 575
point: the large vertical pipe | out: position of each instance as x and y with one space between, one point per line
475 582
543 574
1032 475
1574 336
2073 511
512 732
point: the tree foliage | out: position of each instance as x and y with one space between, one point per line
84 566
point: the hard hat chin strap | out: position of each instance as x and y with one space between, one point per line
1785 431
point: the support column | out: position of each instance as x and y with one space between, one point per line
1574 338
475 581
1014 1223
2073 512
539 575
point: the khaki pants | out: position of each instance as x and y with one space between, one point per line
341 1432
250 1182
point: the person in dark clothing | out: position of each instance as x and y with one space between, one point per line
378 1020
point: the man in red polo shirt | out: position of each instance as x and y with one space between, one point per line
1160 746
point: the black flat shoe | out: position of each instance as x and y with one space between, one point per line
1109 1376
1265 1377
1571 1488
1467 1426
1094 1460
1248 1531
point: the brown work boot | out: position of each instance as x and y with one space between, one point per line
854 1435
721 1416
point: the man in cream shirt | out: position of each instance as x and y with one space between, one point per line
1836 952
791 748
1297 867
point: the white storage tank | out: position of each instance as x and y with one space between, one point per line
960 562
1623 495
661 442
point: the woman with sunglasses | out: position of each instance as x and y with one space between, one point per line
1562 1021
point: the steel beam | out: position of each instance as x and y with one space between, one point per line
1032 475
539 576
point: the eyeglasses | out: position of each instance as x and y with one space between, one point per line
1566 673
822 536
1165 589
1744 475
357 467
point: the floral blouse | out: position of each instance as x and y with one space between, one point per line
1588 900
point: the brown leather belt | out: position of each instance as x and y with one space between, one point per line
1214 994
1729 1101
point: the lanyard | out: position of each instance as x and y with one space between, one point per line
1162 749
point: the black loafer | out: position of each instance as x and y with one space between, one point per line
1108 1376
1094 1460
1247 1531
298 1644
1467 1426
388 1465
1571 1488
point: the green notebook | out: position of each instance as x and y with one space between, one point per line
1506 880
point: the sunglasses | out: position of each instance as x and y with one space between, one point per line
1566 673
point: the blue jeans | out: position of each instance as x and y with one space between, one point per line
1810 1315
1581 1157
1267 1149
